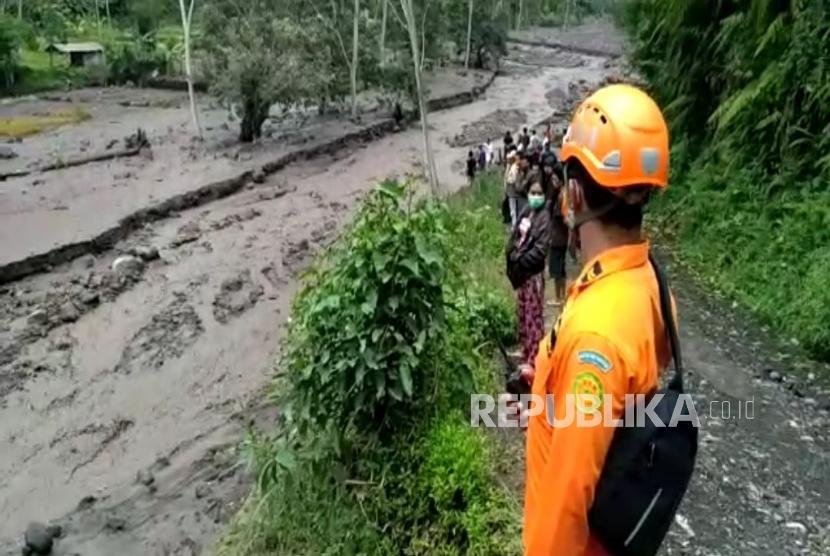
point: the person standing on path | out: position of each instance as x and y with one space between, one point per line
509 145
488 150
524 139
526 252
551 171
558 246
471 167
482 157
610 340
513 177
535 146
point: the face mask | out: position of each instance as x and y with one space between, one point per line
536 201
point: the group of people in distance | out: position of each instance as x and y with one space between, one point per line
480 161
531 208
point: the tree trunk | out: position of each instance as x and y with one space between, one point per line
567 12
253 116
19 9
429 161
383 32
98 19
519 15
107 8
187 18
355 39
469 33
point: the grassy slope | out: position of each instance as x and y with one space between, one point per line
442 489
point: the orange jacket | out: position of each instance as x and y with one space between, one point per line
609 340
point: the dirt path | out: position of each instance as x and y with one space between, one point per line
124 393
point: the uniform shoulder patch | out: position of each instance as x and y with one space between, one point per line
598 360
588 393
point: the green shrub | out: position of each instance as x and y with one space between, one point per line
472 515
360 339
134 62
386 344
9 51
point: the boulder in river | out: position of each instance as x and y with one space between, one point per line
146 252
69 313
128 266
38 539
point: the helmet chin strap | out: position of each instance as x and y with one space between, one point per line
574 221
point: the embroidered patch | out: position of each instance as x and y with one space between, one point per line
596 359
588 393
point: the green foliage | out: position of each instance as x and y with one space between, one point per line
135 61
457 478
428 484
259 56
565 12
9 51
148 15
745 86
360 338
753 71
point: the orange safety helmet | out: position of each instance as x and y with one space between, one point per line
620 136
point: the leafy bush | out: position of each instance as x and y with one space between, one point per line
134 62
9 47
366 367
259 56
385 345
457 478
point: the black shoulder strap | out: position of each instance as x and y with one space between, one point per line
676 382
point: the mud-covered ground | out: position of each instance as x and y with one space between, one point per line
46 209
127 377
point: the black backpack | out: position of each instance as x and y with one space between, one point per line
647 468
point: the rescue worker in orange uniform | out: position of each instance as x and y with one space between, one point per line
609 340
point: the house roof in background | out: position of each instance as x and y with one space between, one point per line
70 47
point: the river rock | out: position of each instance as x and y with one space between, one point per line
56 531
69 313
90 297
145 478
128 266
258 177
115 524
88 261
39 317
796 526
186 234
203 491
146 252
38 539
7 153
